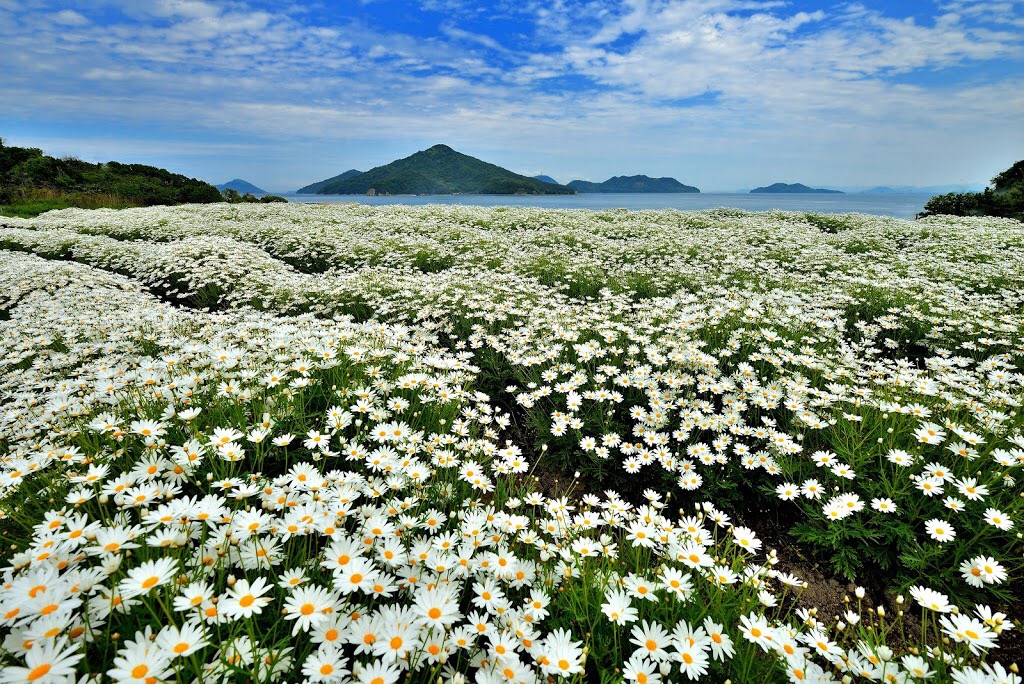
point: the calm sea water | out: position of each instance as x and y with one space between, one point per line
900 206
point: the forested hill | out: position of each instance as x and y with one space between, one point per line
439 170
27 175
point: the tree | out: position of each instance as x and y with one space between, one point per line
1009 178
1006 200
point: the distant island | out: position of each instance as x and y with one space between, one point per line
439 170
794 188
918 189
632 184
239 185
546 179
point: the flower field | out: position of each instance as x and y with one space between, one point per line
282 443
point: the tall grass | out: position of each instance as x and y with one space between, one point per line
32 202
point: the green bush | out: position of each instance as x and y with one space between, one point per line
1006 199
71 182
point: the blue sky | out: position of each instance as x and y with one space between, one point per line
722 94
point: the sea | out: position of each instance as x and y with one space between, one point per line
905 206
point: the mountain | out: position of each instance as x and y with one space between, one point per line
314 188
439 170
546 179
632 184
794 188
241 186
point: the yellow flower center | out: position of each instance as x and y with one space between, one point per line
39 672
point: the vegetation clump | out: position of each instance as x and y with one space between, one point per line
232 196
1005 198
32 182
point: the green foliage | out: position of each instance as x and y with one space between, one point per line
1010 178
232 196
1006 200
827 223
32 202
31 182
432 262
847 545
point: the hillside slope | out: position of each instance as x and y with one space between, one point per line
314 188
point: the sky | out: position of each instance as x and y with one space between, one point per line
721 94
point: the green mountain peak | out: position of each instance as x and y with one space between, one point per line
437 170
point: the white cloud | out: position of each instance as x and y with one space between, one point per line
456 33
69 18
787 86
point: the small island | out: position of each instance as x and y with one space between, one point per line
794 188
633 184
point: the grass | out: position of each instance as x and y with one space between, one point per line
36 202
